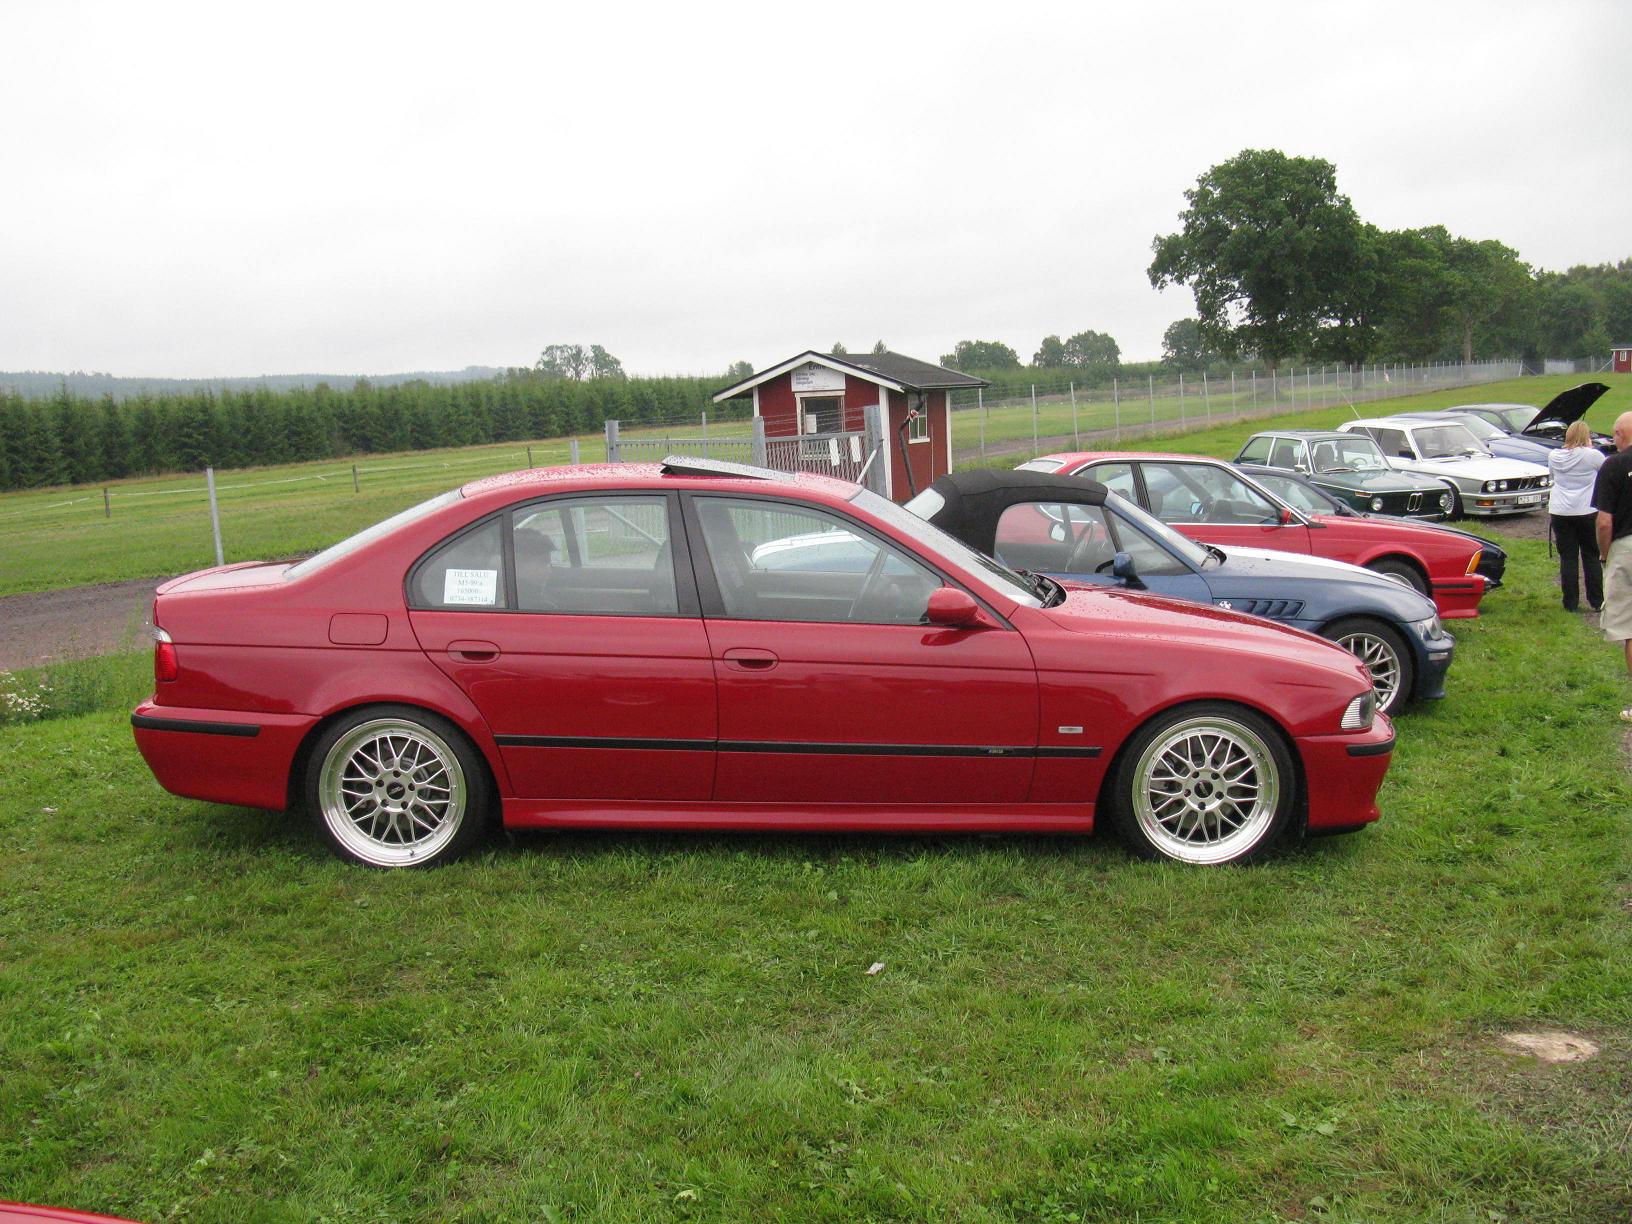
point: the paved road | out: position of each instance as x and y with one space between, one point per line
49 626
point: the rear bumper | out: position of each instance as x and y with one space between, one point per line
1343 773
224 756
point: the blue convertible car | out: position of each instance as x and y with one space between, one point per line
1078 530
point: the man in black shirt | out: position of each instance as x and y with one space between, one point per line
1612 498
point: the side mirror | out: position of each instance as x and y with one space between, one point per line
953 608
1286 517
1123 568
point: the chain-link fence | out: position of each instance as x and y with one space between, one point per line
1030 419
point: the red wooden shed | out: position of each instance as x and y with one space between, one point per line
1623 358
821 397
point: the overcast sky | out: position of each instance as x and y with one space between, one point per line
224 189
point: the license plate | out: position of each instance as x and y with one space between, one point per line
1529 499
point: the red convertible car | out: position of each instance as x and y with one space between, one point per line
1213 503
629 645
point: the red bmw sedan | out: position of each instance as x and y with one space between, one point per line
1212 502
697 645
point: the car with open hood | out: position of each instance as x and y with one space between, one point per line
1079 531
1483 486
605 646
1350 468
1545 425
1210 501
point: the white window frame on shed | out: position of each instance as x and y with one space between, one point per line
799 408
918 426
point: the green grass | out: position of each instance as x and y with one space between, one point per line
61 537
204 1016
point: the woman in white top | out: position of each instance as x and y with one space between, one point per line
1575 468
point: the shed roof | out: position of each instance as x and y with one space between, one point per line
895 371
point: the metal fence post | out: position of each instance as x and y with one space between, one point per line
1182 421
1255 389
705 435
355 487
1116 408
759 442
1150 389
611 441
572 452
980 407
215 514
107 505
1235 404
1034 446
1076 436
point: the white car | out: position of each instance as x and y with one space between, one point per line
1484 485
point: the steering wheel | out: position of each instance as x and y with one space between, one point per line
867 585
1084 549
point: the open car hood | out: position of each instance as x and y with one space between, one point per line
1568 406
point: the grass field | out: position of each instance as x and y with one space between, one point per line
205 1017
62 537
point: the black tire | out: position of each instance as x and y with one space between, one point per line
1184 775
1393 567
394 786
1371 641
1455 511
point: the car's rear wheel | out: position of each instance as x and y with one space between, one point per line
393 786
1206 784
1383 651
1404 571
1455 511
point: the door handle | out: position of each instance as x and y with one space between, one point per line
473 652
748 658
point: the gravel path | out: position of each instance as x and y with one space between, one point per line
49 626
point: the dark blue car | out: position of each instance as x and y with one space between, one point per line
1076 529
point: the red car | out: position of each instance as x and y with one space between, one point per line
696 645
1210 501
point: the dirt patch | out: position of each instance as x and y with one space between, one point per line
50 626
1551 1046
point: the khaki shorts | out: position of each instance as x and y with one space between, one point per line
1616 620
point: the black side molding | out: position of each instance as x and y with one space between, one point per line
1382 749
148 723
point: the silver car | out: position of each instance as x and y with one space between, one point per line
1484 485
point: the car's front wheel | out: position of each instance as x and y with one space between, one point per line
1383 651
1206 784
1400 571
393 786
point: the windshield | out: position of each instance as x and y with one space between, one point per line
1354 453
1193 553
936 541
1483 430
369 534
1519 418
1446 441
1295 493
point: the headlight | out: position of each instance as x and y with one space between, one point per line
1432 627
1545 481
1488 487
1376 503
1502 485
1360 713
1446 501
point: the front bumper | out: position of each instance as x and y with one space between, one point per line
1431 651
1491 505
1343 773
223 756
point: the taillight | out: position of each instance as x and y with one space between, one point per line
165 667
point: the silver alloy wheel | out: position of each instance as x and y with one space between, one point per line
1206 790
392 792
1381 660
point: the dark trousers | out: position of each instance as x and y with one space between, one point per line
1577 537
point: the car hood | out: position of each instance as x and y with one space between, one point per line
1480 469
1568 406
1136 614
1376 481
1255 572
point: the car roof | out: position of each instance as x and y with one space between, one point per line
1068 458
1312 435
674 472
972 502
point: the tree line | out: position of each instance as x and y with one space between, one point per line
73 439
1283 267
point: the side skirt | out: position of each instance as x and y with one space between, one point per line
787 818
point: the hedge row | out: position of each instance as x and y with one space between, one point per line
74 440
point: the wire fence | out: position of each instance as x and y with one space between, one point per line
993 423
1028 420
